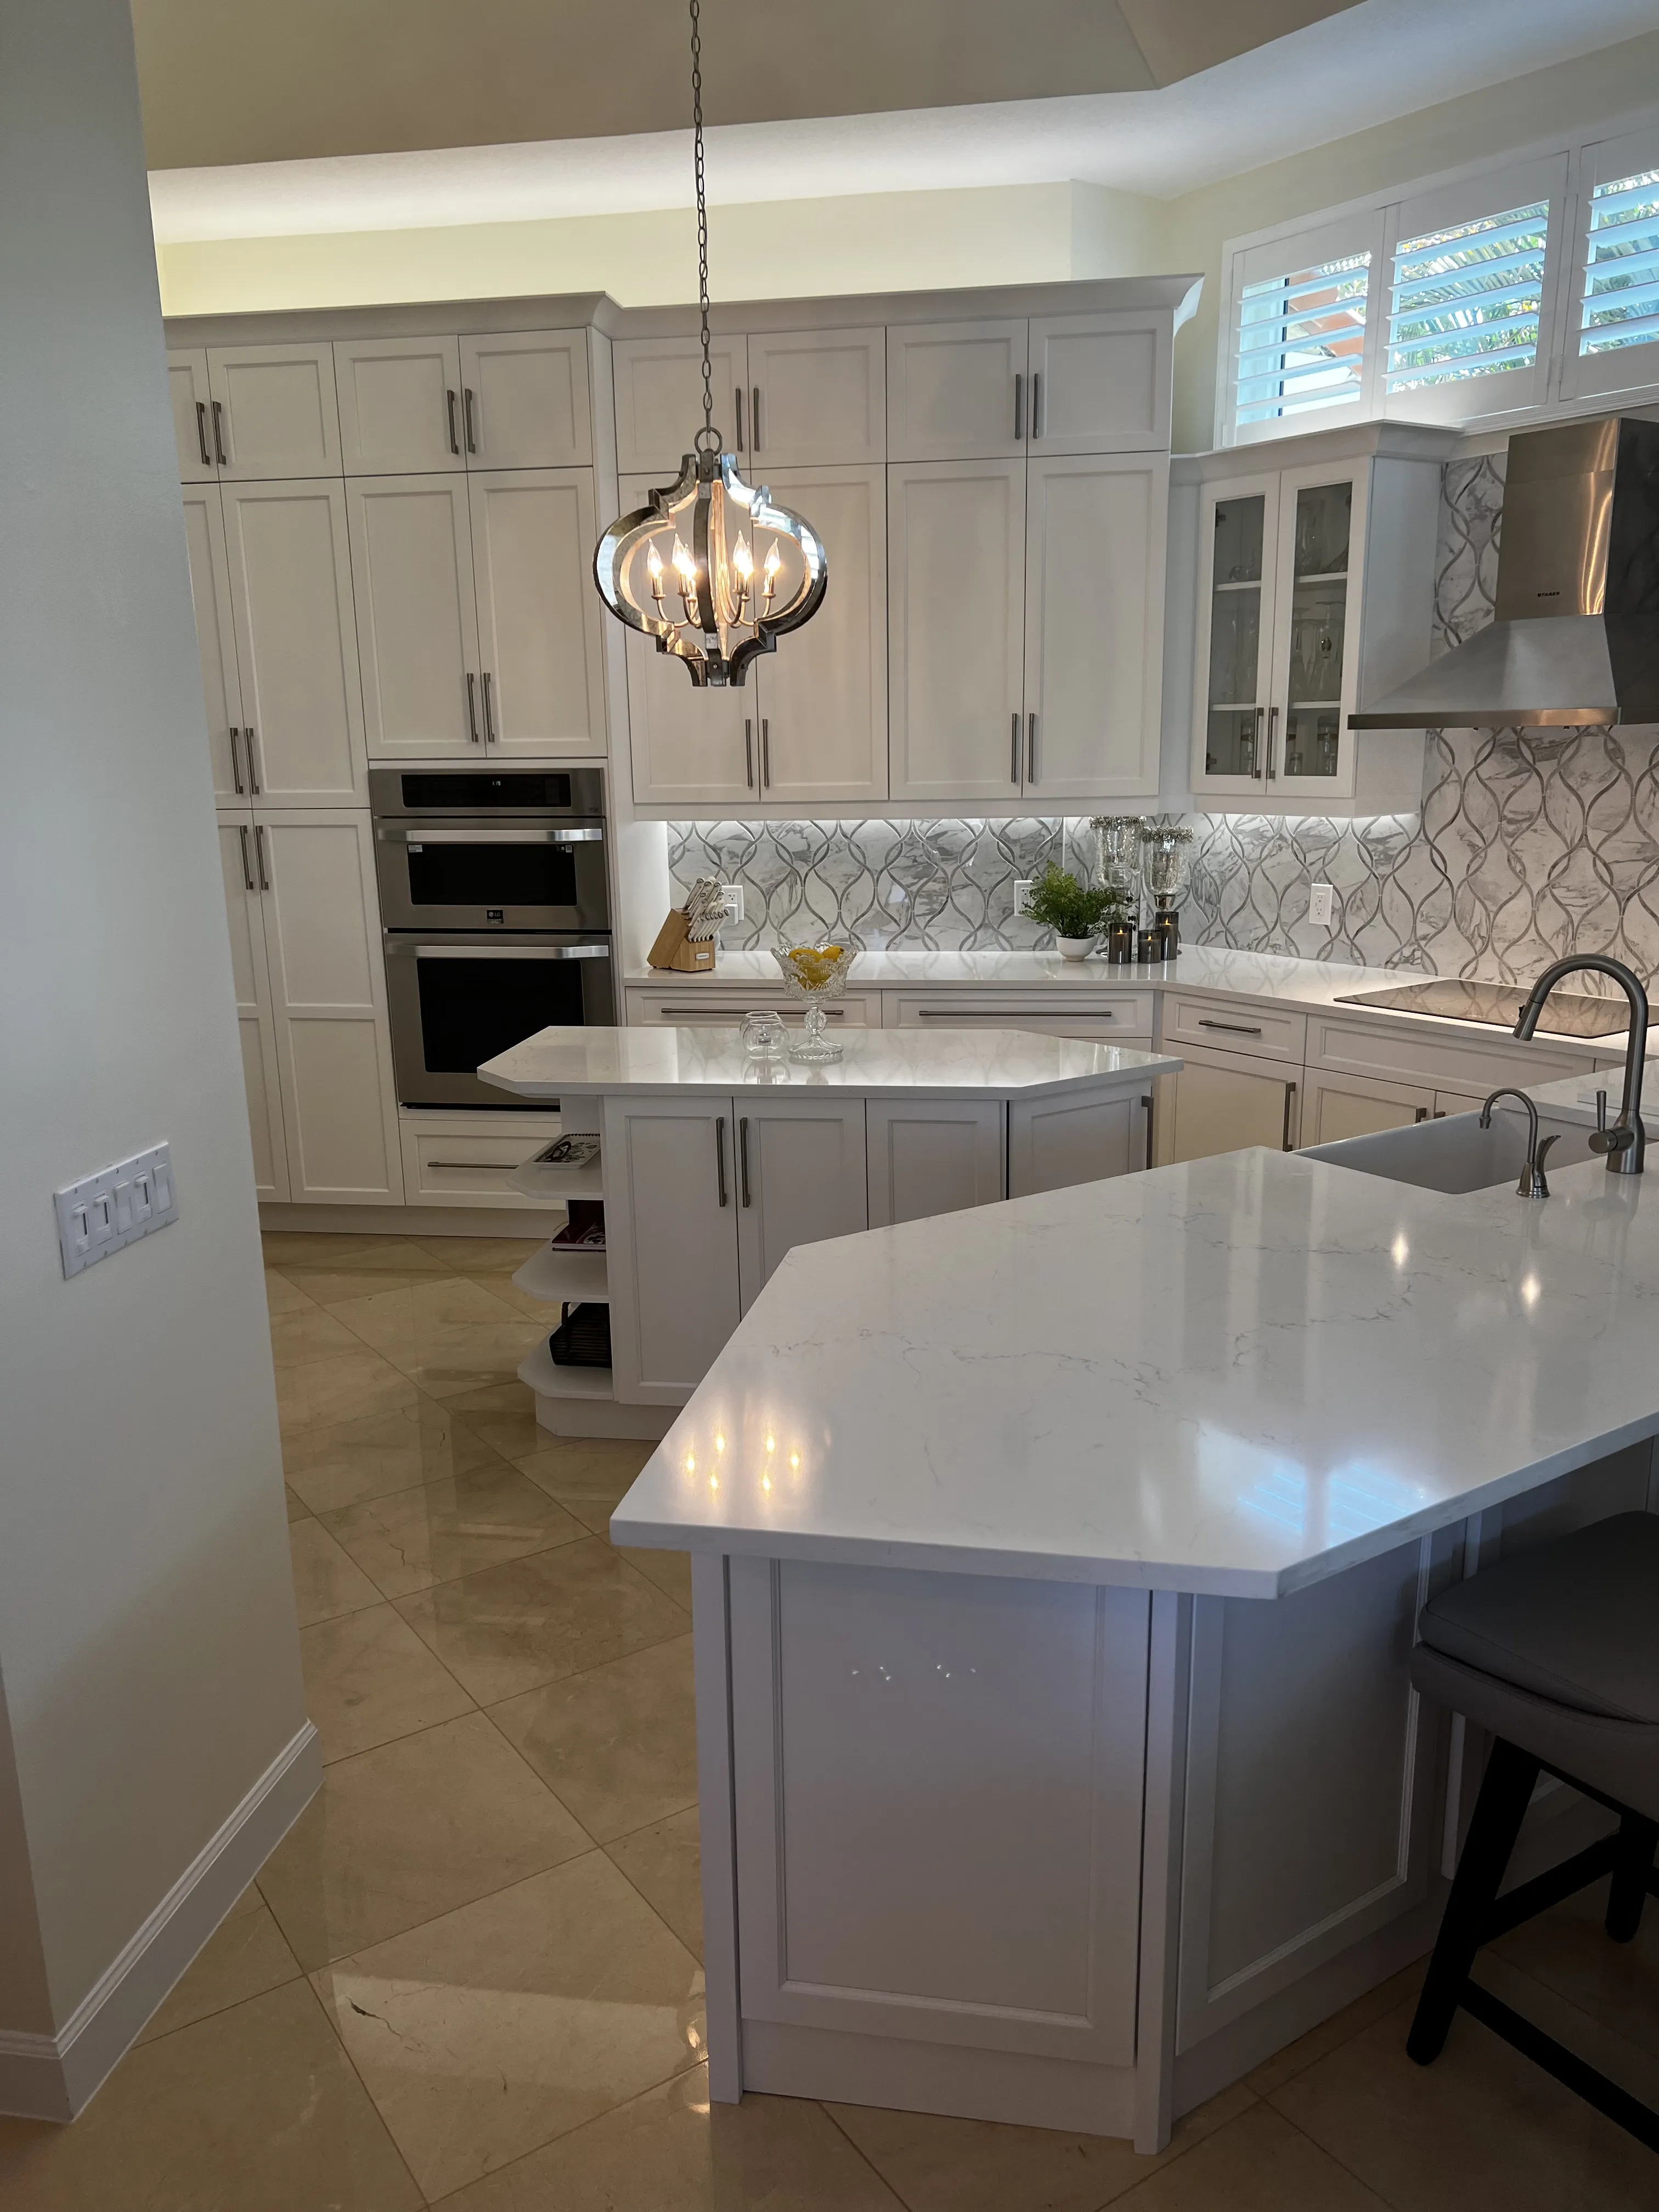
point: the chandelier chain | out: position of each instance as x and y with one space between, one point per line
702 223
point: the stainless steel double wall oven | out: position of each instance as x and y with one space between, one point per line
496 908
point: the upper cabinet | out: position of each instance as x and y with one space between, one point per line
272 411
815 398
658 387
542 680
215 639
956 392
1100 383
524 400
400 404
192 400
1061 384
1314 594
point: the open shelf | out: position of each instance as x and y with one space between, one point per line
539 1370
537 1182
1241 584
561 1273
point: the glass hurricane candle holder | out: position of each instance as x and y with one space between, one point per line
813 973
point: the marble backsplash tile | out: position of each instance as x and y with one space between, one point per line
1523 850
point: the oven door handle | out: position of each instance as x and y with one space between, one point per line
393 837
401 948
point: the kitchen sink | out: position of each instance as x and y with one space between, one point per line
1452 1155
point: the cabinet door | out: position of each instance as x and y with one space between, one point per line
215 642
524 400
658 388
1237 552
1100 383
930 1155
1322 531
817 396
188 390
296 642
1219 1103
671 1205
400 402
690 746
1094 625
801 1177
1340 1106
274 410
255 1018
956 392
822 693
543 676
417 630
956 643
1053 1143
328 988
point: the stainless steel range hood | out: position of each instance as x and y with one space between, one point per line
1576 637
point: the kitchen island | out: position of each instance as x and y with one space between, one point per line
1055 1567
711 1166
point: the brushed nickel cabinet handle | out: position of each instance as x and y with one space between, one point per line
1290 1108
1255 766
766 754
1030 750
748 754
473 708
494 1167
719 1155
489 712
1273 734
247 867
259 854
219 433
1146 1108
201 433
1036 403
737 398
1013 757
454 441
1233 1029
754 420
471 426
1019 406
236 766
742 1156
1421 1115
254 779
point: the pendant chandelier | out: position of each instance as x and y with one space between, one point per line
712 568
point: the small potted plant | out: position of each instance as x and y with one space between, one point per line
1075 913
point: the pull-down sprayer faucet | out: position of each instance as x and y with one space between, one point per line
1626 1143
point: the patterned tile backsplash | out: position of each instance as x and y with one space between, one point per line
1525 849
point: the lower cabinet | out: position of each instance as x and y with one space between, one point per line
800 1178
1224 1102
1340 1106
1053 1143
932 1155
310 996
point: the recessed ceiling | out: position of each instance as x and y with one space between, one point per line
1362 65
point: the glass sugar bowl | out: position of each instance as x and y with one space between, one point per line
763 1035
814 973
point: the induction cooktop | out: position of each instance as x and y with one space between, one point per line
1568 1013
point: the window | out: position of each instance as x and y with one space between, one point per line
1620 300
1302 339
1467 300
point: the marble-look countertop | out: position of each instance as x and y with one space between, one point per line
1262 978
875 1063
1237 1375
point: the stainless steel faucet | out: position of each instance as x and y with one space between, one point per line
1626 1143
1534 1183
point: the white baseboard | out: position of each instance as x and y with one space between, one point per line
51 2077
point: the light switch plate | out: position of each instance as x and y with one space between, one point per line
1321 902
732 894
1022 892
116 1206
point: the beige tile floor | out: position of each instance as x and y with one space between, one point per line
470 1976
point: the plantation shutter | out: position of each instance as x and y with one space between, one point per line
1612 338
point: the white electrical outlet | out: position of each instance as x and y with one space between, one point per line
1321 902
1022 892
731 895
116 1206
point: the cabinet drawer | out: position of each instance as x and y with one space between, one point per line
1228 1025
1125 1015
668 1008
469 1159
1411 1056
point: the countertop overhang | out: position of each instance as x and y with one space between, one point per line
1235 1376
875 1063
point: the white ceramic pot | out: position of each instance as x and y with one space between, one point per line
1075 948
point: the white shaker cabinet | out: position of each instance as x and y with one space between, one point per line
930 1155
333 1045
1226 1102
418 629
255 1016
801 1177
524 400
659 393
690 745
1053 1143
815 397
542 677
1095 531
273 411
400 402
671 1192
1338 1106
296 642
216 641
956 624
956 391
192 399
1099 384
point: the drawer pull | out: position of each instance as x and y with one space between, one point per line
494 1167
1233 1029
1290 1108
1146 1108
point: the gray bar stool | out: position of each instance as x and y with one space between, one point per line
1556 1651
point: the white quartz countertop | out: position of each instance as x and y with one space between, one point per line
875 1063
1261 978
1235 1376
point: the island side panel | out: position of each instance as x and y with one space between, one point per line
712 1679
938 1789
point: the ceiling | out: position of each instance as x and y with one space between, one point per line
231 82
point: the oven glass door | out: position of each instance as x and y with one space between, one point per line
455 1002
472 875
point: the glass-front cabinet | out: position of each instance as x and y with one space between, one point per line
1279 594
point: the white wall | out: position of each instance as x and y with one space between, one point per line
148 1642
